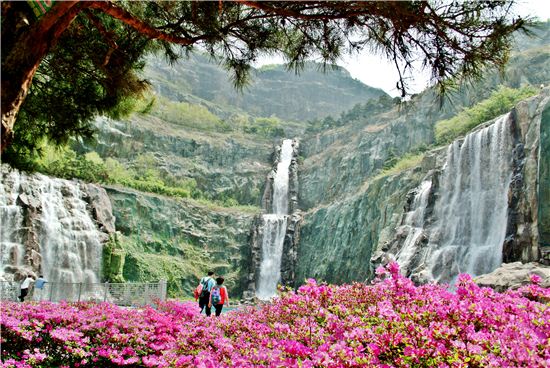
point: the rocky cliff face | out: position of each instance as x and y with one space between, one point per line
338 240
544 186
338 162
179 240
221 164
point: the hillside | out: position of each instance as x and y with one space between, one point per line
273 91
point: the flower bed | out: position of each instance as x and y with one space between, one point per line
391 323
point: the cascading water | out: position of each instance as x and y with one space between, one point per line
472 208
274 227
414 220
11 218
70 245
69 242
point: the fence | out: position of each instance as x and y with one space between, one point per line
123 294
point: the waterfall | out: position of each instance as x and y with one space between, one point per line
274 227
280 183
472 207
414 221
11 217
70 245
67 242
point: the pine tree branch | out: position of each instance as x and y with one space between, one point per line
140 26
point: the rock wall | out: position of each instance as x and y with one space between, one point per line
223 165
544 186
338 240
523 234
179 240
338 162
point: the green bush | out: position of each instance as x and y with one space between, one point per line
188 115
500 101
65 163
265 127
405 162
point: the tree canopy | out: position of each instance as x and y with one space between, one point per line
84 58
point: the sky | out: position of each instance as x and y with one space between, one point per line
380 73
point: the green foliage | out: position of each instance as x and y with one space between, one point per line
63 162
500 101
142 104
396 165
113 259
149 260
265 127
198 117
81 77
188 115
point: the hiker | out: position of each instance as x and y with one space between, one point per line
218 296
207 284
25 287
38 287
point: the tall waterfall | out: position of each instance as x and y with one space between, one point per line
274 227
55 218
472 207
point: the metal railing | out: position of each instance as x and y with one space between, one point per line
123 294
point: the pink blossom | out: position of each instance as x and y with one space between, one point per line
391 323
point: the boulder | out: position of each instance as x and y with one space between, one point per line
101 208
514 275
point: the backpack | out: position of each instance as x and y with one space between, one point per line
197 292
216 295
204 283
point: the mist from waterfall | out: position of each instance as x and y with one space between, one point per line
69 242
472 207
274 227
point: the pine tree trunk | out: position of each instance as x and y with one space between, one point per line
24 45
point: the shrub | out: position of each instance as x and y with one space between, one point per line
395 165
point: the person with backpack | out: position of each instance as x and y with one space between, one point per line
25 287
218 296
206 284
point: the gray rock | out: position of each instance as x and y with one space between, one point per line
514 275
101 208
